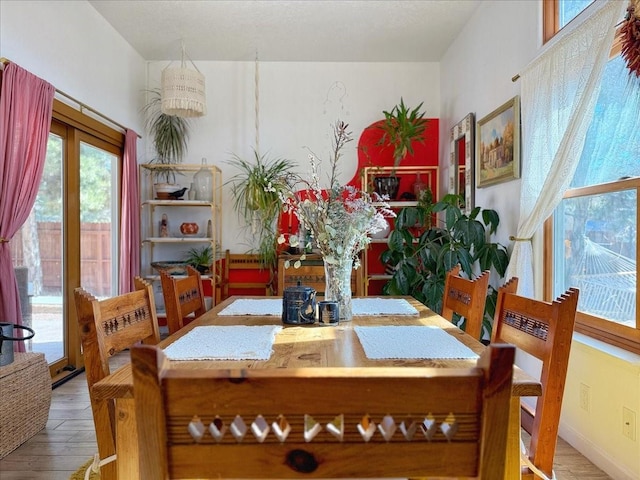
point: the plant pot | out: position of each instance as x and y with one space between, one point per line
164 189
202 269
384 233
387 186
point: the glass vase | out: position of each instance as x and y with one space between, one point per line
338 286
203 180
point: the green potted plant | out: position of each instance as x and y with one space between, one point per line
170 136
421 257
402 126
256 192
200 258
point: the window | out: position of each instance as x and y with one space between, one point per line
594 234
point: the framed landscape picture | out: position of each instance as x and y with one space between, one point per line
498 145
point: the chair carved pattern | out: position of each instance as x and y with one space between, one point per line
441 427
126 319
187 296
304 279
527 325
460 296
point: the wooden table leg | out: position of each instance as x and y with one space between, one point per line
512 465
126 439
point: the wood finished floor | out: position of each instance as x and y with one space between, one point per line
68 441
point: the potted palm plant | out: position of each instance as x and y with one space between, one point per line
402 126
256 193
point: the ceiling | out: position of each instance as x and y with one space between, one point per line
289 30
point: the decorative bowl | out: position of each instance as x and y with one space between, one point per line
189 228
171 267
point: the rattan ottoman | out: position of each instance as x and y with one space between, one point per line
25 398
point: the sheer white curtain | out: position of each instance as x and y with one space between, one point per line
559 90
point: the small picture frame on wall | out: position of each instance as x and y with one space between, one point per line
498 145
461 162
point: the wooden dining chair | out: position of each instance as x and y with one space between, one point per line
306 423
247 268
183 298
543 330
466 298
107 327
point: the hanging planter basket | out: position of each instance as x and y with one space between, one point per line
182 91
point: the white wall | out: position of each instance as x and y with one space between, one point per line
298 104
76 50
501 39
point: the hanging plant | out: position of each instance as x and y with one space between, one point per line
170 136
630 34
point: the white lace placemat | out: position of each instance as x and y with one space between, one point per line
237 342
253 306
382 306
361 306
410 342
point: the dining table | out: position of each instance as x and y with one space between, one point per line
314 345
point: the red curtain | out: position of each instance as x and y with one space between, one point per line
129 215
26 103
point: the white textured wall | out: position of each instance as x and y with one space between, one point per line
476 72
500 39
298 103
76 50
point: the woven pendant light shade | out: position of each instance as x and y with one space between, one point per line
183 91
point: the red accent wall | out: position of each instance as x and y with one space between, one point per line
371 153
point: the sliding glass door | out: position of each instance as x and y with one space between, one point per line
70 240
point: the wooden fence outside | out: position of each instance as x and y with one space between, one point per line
95 241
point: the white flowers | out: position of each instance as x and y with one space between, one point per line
340 218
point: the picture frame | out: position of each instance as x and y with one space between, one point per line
498 145
462 161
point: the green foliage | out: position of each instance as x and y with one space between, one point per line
255 190
402 126
422 256
95 184
201 258
170 135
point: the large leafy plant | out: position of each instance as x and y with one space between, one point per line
431 238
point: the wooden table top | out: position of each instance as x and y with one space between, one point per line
318 346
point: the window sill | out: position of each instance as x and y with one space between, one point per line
607 349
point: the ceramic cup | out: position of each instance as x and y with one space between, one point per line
328 313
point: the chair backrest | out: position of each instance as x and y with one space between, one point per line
107 327
311 274
322 422
183 298
241 261
466 298
543 330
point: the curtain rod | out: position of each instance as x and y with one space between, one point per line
4 61
517 75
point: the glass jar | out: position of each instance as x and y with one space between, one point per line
203 181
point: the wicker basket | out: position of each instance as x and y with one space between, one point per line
25 399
